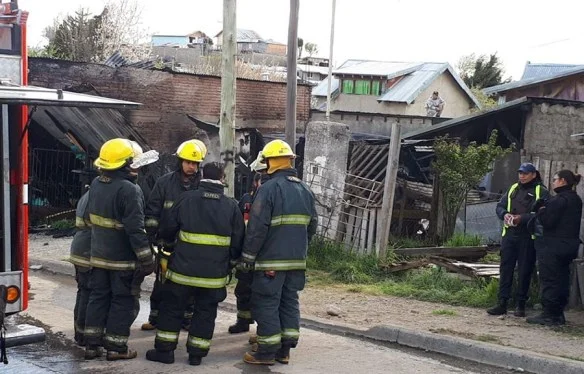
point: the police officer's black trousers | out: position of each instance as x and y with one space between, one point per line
112 308
516 250
276 310
243 295
554 256
79 312
175 298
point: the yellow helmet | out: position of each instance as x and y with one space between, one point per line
190 151
202 146
114 154
277 148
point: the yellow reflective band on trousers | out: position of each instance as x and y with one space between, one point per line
116 339
143 253
290 334
151 222
112 265
280 265
80 261
509 193
291 219
80 223
186 280
107 223
167 336
168 204
204 239
270 340
94 331
200 343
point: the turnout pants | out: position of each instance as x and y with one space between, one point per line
516 250
275 308
112 308
79 312
554 256
243 295
175 298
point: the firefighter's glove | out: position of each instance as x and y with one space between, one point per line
147 266
233 264
245 266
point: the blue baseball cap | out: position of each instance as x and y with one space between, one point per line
527 168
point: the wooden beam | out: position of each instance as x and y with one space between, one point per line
450 252
505 130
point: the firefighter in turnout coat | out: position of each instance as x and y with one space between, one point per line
210 233
282 221
120 254
163 196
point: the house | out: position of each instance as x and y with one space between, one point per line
558 81
315 61
249 41
313 74
181 41
400 88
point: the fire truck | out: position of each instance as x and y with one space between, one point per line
17 99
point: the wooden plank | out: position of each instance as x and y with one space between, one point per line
451 252
404 266
349 229
447 264
357 238
364 222
544 170
372 223
402 207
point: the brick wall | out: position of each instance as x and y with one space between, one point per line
168 97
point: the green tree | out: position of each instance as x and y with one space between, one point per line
300 46
460 169
311 49
487 102
481 71
75 37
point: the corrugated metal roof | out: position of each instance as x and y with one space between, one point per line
579 69
312 68
377 68
545 70
322 88
411 85
244 35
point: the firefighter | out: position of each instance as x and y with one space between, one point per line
557 240
165 192
515 209
282 221
243 287
120 254
210 232
79 257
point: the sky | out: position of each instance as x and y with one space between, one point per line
387 30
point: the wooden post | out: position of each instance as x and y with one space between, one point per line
389 188
330 69
291 75
228 87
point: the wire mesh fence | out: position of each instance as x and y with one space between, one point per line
346 206
478 216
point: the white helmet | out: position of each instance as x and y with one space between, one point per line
259 164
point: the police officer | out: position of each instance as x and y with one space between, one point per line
210 233
557 239
120 255
243 287
165 192
515 210
282 222
79 257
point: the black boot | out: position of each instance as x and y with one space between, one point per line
283 355
520 309
93 352
166 357
546 319
256 358
195 360
240 326
500 309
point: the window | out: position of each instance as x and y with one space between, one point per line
348 86
375 88
362 87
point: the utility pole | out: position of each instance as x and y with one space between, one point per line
228 82
330 70
389 189
291 75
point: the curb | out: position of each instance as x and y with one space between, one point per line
470 350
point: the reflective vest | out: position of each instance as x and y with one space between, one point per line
510 193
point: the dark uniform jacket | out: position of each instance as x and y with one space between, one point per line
116 212
282 221
560 216
523 198
163 196
210 230
81 244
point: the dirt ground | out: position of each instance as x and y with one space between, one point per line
366 311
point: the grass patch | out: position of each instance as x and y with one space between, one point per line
492 258
63 224
443 312
463 240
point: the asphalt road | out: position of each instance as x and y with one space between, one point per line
318 352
